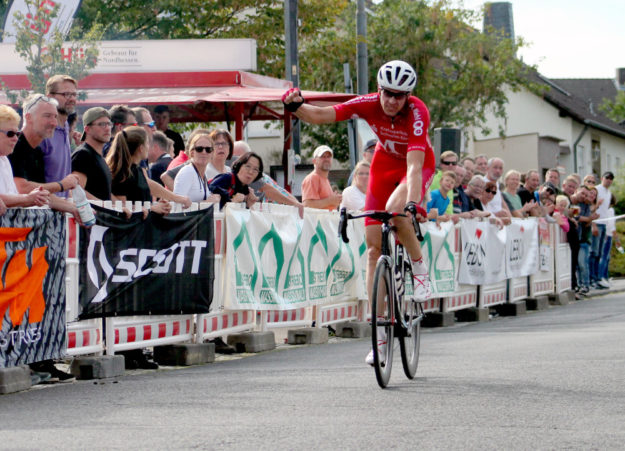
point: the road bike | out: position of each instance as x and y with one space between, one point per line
394 307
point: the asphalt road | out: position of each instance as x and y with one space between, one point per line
546 380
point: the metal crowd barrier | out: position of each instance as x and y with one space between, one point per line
125 333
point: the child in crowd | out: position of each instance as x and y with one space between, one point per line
560 212
439 199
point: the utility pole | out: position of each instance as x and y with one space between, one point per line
362 68
292 60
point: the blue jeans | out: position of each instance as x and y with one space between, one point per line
596 248
605 258
582 265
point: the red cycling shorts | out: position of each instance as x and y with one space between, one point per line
387 173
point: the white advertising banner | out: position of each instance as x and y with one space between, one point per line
482 260
522 254
148 56
275 260
438 252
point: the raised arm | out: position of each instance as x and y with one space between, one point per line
308 113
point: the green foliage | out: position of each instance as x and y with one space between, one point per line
463 73
617 260
618 189
615 109
47 55
262 20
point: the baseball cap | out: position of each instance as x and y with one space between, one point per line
92 115
554 189
608 175
371 145
319 151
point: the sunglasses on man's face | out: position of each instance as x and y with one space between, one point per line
207 149
397 95
449 163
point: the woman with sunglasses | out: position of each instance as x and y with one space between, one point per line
130 181
234 186
191 181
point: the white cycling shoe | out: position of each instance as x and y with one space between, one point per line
422 286
381 347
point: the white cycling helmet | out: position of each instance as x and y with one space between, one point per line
397 75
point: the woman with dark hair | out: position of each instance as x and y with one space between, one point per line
130 181
234 186
223 145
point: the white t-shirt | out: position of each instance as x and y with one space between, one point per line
610 225
188 183
603 193
212 172
7 184
353 198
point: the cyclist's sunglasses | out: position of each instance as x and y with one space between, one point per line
396 95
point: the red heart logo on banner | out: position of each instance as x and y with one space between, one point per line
522 229
478 233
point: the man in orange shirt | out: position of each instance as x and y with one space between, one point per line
316 189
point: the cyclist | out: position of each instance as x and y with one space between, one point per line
403 162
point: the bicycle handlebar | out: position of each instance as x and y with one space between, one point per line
382 216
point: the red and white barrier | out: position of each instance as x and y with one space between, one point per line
145 331
87 337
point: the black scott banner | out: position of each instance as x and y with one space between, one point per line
32 286
160 265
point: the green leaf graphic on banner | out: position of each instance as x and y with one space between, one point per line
236 243
362 249
274 236
337 257
297 254
318 238
438 274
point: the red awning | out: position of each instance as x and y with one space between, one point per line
192 96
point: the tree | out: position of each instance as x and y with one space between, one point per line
48 55
463 73
615 109
262 20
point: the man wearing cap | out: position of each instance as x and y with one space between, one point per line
162 118
88 163
604 196
316 189
367 155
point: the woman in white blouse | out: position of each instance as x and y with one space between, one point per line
191 181
354 195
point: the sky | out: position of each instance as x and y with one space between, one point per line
570 38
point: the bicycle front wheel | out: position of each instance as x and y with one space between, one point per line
409 344
382 323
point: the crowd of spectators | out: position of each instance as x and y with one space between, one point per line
123 154
478 187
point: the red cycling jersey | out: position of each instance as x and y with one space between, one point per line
398 135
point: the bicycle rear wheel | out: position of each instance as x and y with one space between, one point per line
382 323
409 344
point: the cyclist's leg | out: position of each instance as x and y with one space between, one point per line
373 238
408 238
